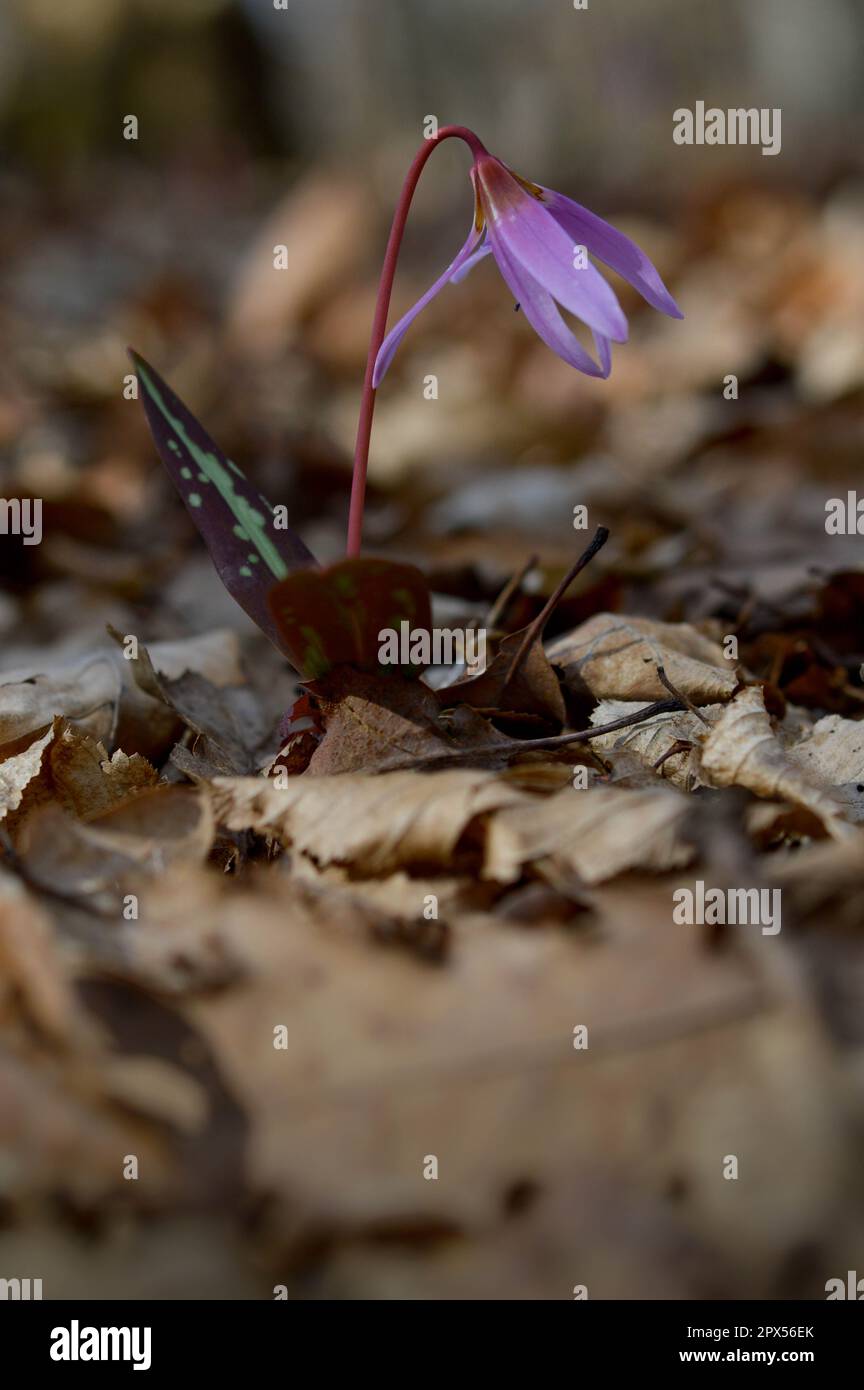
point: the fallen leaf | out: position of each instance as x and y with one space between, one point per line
377 824
597 833
743 750
17 773
617 658
32 970
657 738
106 855
832 756
381 723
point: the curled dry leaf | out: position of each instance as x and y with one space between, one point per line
597 833
617 658
534 688
86 690
832 755
381 1053
32 972
72 768
19 771
670 739
224 719
98 692
381 723
376 824
89 782
742 749
140 837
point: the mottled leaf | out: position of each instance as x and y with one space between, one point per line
333 617
237 524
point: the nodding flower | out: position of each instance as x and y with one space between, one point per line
541 242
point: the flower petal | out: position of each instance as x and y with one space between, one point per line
467 266
387 350
542 313
613 248
542 247
604 352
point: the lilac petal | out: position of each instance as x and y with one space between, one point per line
542 313
544 249
465 269
387 350
604 352
613 248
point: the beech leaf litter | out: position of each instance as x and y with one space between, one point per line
284 931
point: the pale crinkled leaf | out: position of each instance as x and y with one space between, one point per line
743 750
31 968
596 833
617 657
16 773
832 755
656 738
377 823
100 693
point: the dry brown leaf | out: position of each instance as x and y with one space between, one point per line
86 691
596 833
90 783
832 755
742 749
376 824
616 657
98 692
142 836
17 773
385 723
533 690
225 718
386 1062
32 969
72 768
656 738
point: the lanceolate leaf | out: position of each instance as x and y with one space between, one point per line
250 552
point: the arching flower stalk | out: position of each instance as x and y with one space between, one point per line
541 242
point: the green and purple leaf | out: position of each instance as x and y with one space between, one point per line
236 523
333 617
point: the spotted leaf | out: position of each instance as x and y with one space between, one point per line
334 617
250 552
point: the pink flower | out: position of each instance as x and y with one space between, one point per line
541 241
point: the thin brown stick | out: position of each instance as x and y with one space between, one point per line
507 594
688 704
533 745
681 745
534 632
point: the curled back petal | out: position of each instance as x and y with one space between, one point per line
613 248
387 350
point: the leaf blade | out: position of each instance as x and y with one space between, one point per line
235 522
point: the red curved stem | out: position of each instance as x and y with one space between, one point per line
379 323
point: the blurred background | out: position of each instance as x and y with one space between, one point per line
260 126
